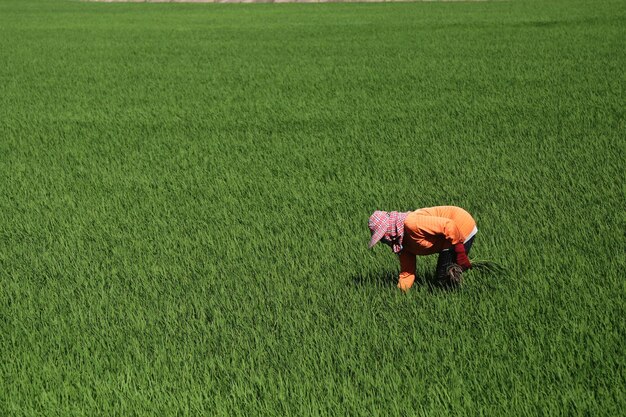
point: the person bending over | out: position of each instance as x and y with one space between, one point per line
446 230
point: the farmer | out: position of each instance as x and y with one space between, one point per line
446 230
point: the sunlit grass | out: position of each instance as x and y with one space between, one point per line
185 192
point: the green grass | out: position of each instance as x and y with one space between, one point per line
184 193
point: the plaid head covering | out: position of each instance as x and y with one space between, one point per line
388 225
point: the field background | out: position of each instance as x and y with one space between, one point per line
184 194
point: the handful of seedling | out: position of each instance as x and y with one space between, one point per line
454 273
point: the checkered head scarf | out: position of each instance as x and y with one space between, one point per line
387 225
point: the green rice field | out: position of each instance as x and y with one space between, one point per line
185 189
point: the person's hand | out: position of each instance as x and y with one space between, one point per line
461 257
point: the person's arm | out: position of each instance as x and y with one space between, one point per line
461 257
449 230
407 270
453 235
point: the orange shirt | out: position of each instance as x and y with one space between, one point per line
428 231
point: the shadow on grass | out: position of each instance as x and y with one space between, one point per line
375 279
387 279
